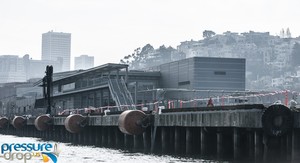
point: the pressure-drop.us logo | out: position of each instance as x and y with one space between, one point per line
25 152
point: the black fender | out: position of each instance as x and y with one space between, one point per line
277 120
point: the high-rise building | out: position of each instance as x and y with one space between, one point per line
57 46
84 62
11 69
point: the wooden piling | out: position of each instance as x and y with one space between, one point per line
177 139
220 145
258 145
164 139
189 140
236 144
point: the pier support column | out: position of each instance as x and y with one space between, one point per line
164 140
50 133
128 141
110 137
289 146
204 142
283 146
104 136
85 136
220 145
47 132
177 140
295 146
56 133
75 138
119 138
97 136
137 142
189 140
80 138
250 138
258 145
91 135
236 144
147 140
62 134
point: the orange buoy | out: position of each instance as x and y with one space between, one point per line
18 122
75 123
42 122
129 122
3 122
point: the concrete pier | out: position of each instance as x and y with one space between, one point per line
220 134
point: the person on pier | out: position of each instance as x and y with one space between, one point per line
210 102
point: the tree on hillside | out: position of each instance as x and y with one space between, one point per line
146 49
296 55
208 34
230 40
288 33
122 61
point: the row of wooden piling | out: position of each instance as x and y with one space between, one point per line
215 143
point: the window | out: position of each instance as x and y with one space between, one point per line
184 83
220 73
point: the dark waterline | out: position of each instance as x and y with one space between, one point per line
87 154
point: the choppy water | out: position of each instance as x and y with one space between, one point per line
87 154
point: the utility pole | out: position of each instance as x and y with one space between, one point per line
47 87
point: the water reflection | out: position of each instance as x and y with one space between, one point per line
87 154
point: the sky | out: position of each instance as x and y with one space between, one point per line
111 29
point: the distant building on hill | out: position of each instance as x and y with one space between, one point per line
84 62
21 69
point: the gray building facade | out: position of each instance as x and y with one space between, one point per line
57 46
204 73
20 69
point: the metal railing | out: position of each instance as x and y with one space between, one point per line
121 94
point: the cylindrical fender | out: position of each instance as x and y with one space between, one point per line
75 123
130 122
3 122
41 123
19 122
277 120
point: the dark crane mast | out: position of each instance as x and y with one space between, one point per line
47 87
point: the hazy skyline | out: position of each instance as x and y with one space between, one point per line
111 29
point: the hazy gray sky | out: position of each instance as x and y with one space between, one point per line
110 29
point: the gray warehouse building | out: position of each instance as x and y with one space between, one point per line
203 73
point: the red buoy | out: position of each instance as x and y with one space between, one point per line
18 122
41 123
130 120
75 123
3 122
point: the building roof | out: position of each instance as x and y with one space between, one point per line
81 73
99 69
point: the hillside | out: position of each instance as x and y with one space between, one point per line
272 61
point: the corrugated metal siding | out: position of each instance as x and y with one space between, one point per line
204 73
219 73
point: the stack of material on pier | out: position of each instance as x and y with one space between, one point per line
277 120
75 123
130 122
3 122
18 122
42 122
